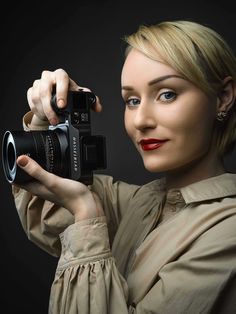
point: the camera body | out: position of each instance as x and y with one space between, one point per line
67 149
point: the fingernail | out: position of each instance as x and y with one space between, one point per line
53 121
60 103
99 107
23 161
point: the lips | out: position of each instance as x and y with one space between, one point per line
151 143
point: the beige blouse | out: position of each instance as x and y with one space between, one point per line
154 251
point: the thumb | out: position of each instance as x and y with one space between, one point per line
32 168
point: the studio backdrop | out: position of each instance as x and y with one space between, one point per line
85 38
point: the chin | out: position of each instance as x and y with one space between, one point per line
156 165
165 164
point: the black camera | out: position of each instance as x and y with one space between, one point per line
67 149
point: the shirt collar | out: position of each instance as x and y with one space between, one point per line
212 188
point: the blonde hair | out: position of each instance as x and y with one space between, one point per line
199 54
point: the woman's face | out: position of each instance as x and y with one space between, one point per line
169 119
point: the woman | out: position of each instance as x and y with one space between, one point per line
168 246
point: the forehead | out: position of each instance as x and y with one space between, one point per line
138 66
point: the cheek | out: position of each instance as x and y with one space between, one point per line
128 124
190 131
190 118
193 135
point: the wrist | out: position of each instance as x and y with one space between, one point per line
88 207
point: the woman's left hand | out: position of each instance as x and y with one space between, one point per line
73 195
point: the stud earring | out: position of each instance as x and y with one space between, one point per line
221 116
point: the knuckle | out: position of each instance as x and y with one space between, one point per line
45 73
60 70
36 83
52 182
62 73
29 93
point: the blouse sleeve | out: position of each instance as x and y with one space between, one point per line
86 279
41 220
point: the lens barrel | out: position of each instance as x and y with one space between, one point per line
48 148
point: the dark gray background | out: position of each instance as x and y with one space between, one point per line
85 39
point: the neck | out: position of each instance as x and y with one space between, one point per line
200 169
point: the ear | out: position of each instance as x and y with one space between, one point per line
227 95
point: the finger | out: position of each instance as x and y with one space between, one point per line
45 91
29 98
32 168
73 86
98 105
62 82
34 100
33 95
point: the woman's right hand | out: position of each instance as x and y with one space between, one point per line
39 95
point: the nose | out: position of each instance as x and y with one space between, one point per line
144 116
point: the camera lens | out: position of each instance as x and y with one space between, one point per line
48 148
11 156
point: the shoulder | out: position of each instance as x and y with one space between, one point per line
107 183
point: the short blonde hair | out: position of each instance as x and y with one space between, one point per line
199 54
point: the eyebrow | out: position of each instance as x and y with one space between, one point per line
155 81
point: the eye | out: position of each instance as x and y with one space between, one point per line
131 102
168 96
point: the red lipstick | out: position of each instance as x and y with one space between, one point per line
151 143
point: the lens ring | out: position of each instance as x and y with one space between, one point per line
9 156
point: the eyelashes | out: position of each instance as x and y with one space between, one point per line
164 97
132 102
167 96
